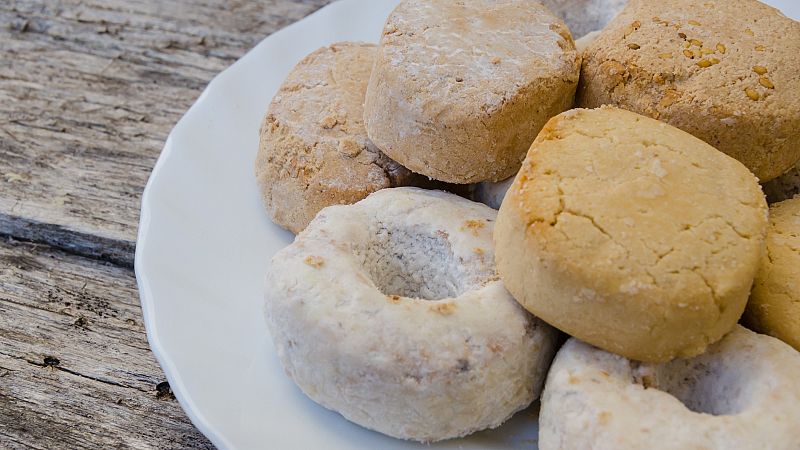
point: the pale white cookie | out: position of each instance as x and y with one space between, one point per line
460 89
742 394
390 312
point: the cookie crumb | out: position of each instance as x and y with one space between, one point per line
349 147
444 309
328 122
474 226
314 261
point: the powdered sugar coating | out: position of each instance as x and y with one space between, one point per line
390 312
460 88
740 395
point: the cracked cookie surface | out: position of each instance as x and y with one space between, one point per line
724 71
631 235
774 306
314 151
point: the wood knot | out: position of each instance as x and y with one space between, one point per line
51 361
164 391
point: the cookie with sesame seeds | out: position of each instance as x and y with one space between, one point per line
724 71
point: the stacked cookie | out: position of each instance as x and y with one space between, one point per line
635 224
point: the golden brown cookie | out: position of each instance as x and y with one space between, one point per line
774 306
314 150
631 235
722 70
460 89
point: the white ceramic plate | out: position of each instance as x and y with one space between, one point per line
204 242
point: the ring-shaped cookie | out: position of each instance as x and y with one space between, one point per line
741 394
390 312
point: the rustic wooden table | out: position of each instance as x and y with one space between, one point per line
89 90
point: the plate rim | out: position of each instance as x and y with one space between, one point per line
146 297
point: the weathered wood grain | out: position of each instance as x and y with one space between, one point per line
89 90
75 367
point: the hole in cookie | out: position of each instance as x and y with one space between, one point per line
703 385
408 263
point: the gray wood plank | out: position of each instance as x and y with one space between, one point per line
75 367
89 91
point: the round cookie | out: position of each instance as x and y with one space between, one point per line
390 312
774 306
724 71
314 151
784 187
460 89
742 394
631 235
585 16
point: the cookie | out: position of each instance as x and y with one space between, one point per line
390 312
742 394
631 235
460 89
314 151
774 306
723 71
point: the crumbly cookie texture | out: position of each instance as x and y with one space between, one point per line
585 16
784 187
631 235
742 394
314 151
724 71
460 89
774 306
390 312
